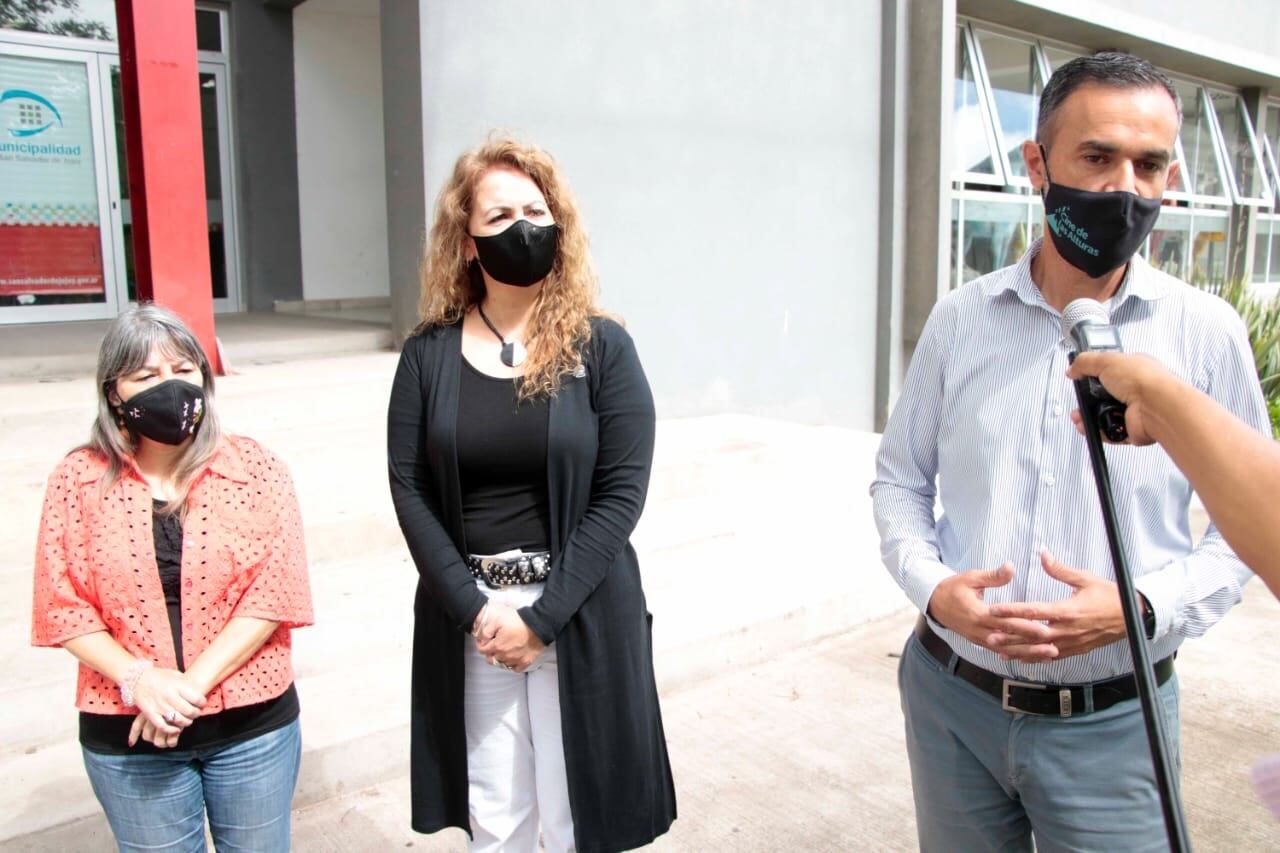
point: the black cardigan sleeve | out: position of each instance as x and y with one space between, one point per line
413 492
620 481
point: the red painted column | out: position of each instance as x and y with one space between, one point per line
160 87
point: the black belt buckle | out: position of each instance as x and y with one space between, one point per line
487 567
1064 697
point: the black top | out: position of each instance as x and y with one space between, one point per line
167 528
109 733
600 427
502 465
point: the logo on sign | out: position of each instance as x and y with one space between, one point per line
36 113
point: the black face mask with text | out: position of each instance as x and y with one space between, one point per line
1096 232
169 412
521 255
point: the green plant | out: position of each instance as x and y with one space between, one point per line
1262 319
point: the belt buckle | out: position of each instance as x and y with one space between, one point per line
487 565
1064 697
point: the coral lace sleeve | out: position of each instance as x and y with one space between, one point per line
62 608
277 588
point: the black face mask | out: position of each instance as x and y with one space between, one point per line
522 255
169 413
1096 232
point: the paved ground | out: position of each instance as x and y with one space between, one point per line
805 751
781 740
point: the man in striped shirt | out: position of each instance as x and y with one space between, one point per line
1021 713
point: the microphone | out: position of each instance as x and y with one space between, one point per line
1087 324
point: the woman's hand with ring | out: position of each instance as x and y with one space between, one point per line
510 641
144 729
168 704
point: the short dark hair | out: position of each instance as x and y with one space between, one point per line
1106 68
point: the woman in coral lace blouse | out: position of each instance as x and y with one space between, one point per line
170 562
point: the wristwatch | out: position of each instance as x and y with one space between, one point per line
1148 618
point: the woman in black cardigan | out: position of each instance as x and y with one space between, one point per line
519 443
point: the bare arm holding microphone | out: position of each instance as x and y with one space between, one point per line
1233 468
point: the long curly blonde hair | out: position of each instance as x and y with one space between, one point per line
560 325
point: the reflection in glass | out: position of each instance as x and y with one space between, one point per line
1169 242
994 235
1013 72
212 182
1262 230
1058 56
1208 250
1273 262
208 30
1234 123
1202 173
1269 138
973 152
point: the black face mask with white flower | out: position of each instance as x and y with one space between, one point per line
170 412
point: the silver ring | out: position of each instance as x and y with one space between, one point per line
502 665
170 715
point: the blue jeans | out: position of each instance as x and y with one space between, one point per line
987 779
158 802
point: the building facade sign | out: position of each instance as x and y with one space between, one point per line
50 234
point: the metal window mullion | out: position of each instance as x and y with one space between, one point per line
986 104
1247 122
1225 167
1270 156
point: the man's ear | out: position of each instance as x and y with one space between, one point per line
1032 156
1173 180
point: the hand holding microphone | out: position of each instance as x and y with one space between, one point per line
1087 324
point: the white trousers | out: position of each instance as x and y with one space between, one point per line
515 752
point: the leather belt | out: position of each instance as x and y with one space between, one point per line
1022 697
510 571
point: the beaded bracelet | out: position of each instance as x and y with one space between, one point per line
129 682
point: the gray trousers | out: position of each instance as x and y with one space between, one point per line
987 779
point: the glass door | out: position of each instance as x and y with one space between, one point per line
219 204
57 253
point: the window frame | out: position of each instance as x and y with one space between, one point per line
987 91
986 110
1229 170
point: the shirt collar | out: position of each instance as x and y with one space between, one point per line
226 463
1140 282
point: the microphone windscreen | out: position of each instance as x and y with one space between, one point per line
1083 309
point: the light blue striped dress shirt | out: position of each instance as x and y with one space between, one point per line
983 427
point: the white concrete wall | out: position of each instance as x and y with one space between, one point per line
1221 26
341 186
726 157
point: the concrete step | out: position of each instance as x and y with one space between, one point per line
40 350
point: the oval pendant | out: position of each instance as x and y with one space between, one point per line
513 354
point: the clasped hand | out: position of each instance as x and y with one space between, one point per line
1032 632
168 703
504 638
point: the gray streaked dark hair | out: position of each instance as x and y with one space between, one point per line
125 348
1105 68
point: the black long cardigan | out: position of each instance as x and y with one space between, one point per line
599 453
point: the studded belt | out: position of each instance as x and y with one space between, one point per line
510 571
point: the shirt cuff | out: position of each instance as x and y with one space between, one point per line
1163 592
922 579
